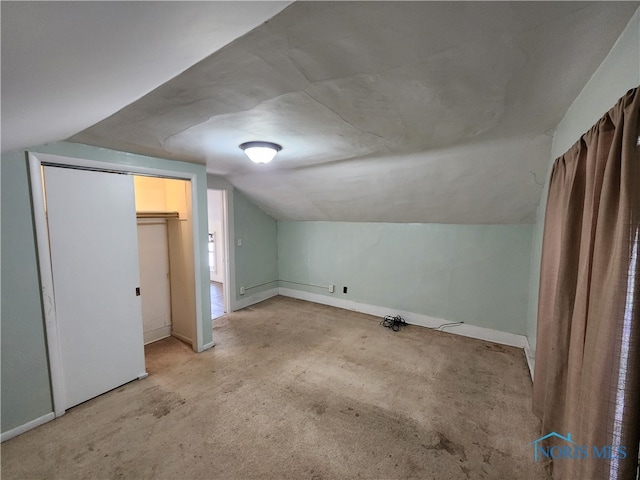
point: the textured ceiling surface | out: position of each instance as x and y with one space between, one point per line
386 111
79 62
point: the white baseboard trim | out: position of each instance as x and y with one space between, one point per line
466 330
207 346
531 357
156 334
179 336
14 432
255 298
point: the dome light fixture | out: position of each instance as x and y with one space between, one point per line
260 152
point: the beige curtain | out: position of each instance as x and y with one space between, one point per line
587 375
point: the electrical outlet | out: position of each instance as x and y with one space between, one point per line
332 288
241 290
239 242
344 289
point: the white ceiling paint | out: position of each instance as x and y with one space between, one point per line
387 111
492 182
68 65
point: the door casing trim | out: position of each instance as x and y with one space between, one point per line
35 161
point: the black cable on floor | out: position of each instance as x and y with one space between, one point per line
394 323
445 325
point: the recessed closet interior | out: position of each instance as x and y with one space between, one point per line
166 257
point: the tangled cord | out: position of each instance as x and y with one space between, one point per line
394 323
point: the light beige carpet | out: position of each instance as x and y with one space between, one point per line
299 390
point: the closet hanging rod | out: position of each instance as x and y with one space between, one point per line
157 215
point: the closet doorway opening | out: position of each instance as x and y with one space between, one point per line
218 252
84 207
165 254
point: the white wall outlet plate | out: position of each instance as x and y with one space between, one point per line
332 288
241 290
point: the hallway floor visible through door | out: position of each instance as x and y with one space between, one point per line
217 300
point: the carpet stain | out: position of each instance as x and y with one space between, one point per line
234 386
158 402
319 408
494 347
161 411
350 359
445 444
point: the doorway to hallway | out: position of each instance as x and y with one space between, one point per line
216 206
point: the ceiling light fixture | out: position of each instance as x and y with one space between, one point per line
260 152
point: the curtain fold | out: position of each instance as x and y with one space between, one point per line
587 375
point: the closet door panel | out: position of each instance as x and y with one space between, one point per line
94 257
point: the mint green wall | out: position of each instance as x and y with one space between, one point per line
25 379
618 73
478 274
25 389
256 261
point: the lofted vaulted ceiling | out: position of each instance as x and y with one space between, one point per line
68 65
387 111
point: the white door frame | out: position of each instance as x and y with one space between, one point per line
44 254
226 286
218 183
226 272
